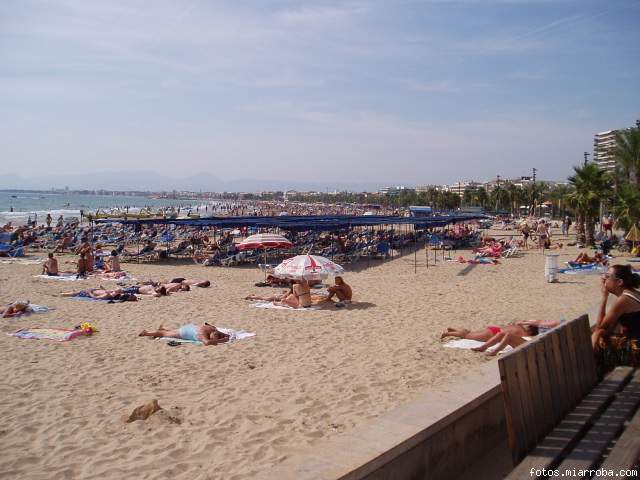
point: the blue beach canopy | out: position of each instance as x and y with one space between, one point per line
301 223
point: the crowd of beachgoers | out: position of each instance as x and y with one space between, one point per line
165 291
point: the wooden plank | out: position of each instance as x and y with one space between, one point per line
584 355
548 421
561 393
626 452
573 341
587 452
562 438
516 428
588 358
537 406
526 399
569 359
557 404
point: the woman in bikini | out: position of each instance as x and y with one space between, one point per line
616 336
206 333
521 329
300 296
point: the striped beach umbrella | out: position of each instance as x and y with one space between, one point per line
264 241
308 267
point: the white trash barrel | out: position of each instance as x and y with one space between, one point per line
551 267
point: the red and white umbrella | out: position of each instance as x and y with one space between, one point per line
264 240
308 267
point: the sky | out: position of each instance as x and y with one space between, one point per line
396 92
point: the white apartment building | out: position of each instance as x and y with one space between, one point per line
603 144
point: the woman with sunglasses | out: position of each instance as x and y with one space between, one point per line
617 334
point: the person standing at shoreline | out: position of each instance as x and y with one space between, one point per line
526 231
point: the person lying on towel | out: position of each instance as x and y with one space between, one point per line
512 334
207 334
15 309
102 294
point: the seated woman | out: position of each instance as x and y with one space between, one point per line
14 309
112 264
207 334
300 296
617 333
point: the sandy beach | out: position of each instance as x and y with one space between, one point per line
230 411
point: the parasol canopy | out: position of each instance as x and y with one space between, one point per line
264 241
633 235
308 267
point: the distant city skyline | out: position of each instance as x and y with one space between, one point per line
357 92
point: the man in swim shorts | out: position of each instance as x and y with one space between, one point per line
340 290
50 266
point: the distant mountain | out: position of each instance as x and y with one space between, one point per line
153 181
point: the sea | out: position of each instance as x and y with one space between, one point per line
18 206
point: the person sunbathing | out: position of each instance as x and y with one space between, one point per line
173 287
207 334
191 283
14 309
97 293
153 290
512 334
584 258
274 281
50 266
271 298
485 334
340 290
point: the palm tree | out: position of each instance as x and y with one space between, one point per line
481 197
626 206
627 154
591 185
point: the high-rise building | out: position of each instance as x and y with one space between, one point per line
603 145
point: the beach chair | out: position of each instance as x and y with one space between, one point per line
559 414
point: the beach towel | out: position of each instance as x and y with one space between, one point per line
55 334
469 344
23 261
234 335
588 269
106 300
281 307
115 277
63 277
33 308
